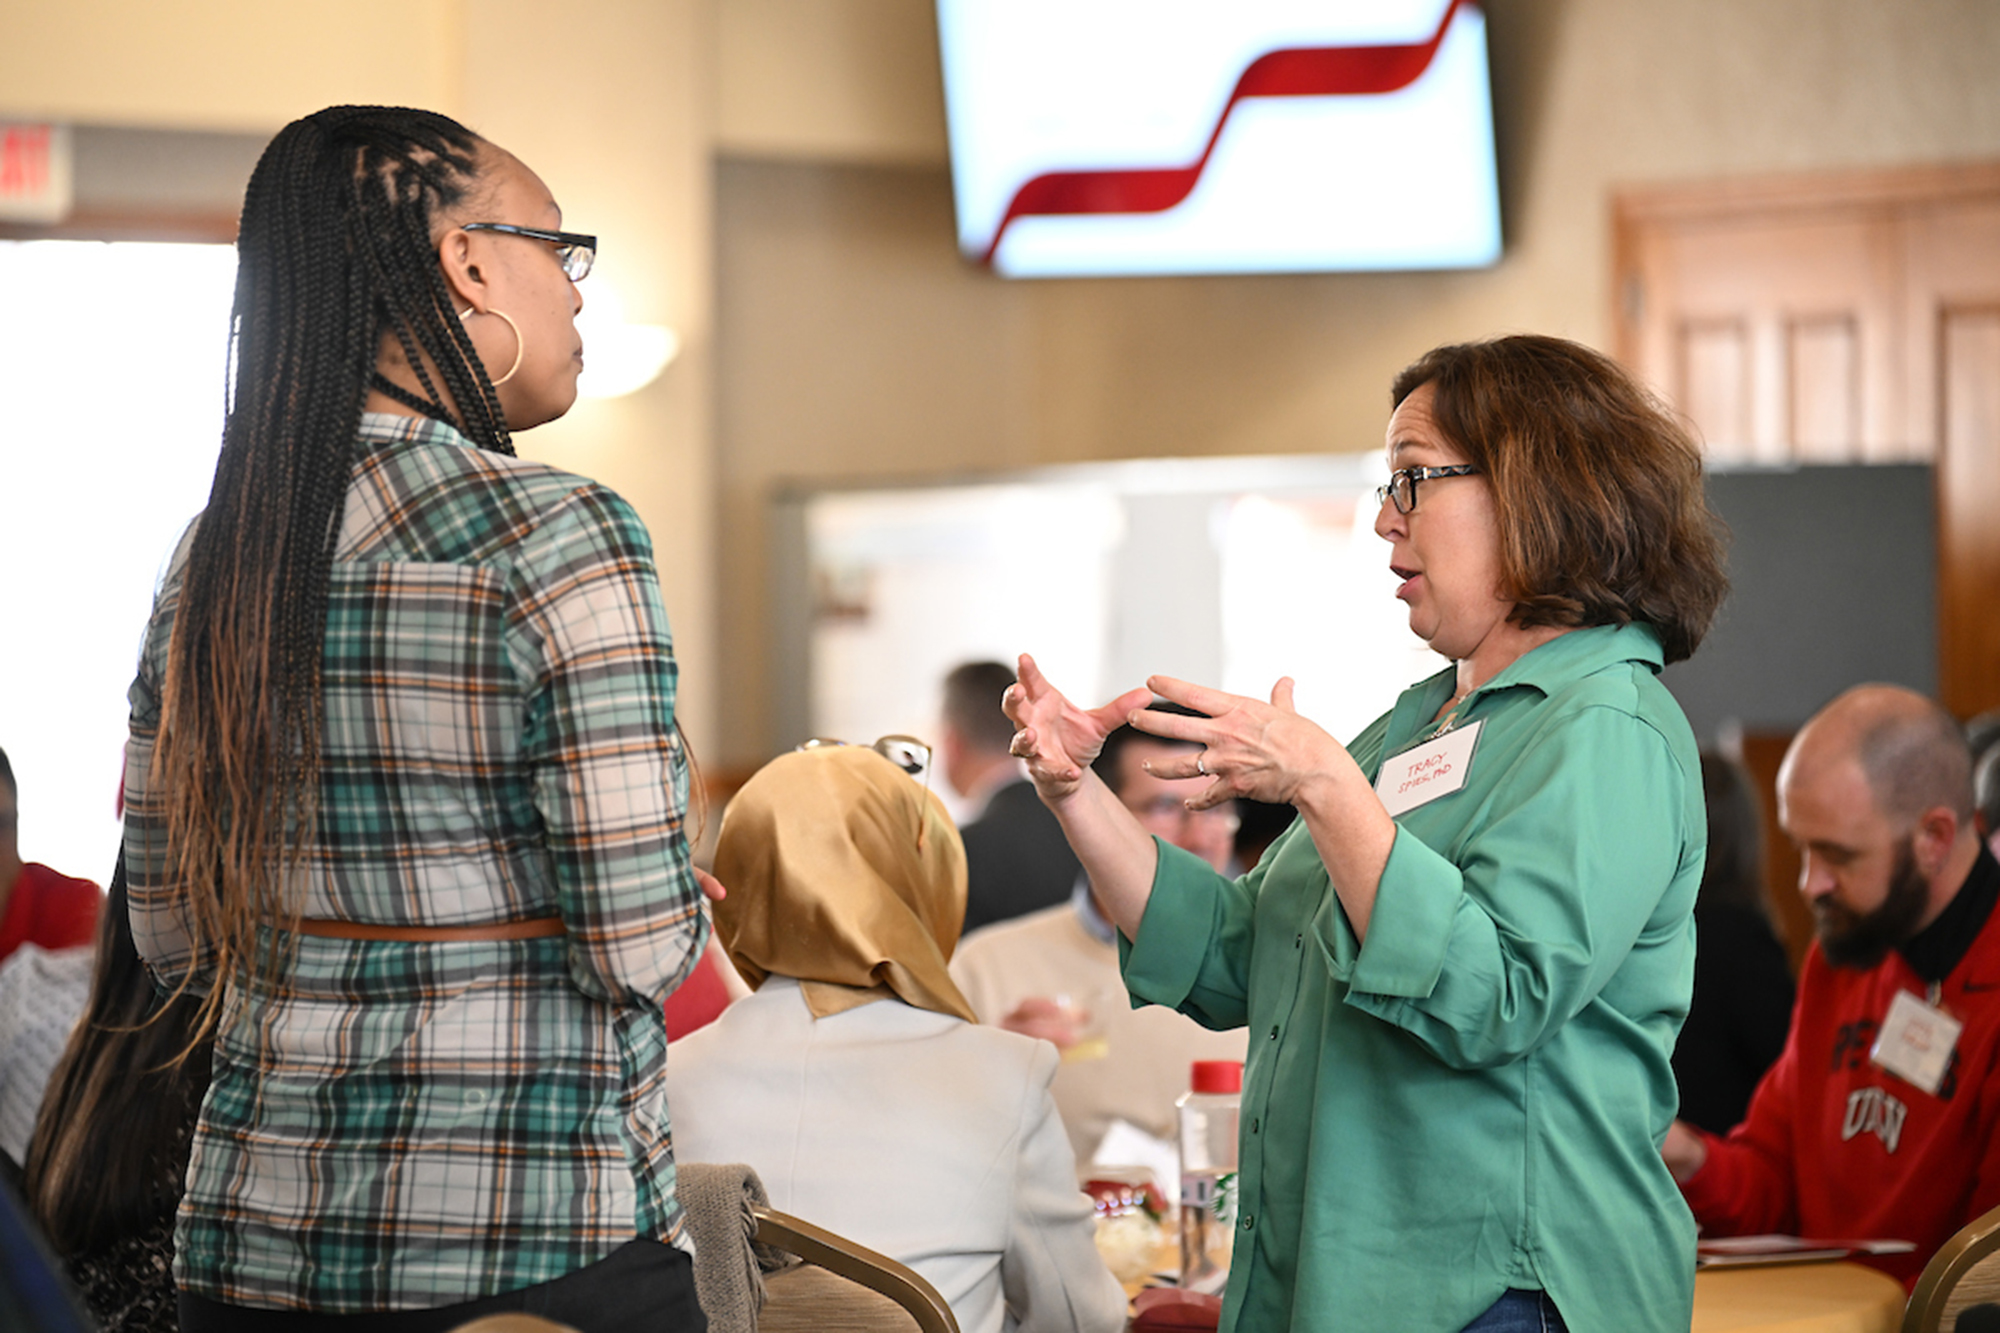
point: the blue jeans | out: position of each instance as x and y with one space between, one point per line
1520 1312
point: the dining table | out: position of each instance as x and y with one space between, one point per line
1837 1297
1821 1297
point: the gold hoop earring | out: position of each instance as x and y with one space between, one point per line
520 343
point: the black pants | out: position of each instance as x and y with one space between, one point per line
644 1286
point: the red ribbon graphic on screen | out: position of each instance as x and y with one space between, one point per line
1314 71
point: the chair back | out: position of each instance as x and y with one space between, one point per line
758 1270
810 1299
842 1287
1959 1291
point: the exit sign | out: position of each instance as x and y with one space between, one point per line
36 176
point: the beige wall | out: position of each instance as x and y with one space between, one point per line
829 80
880 352
224 64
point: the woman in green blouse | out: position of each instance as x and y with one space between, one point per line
1464 966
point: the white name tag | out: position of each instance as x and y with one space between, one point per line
1916 1041
1427 770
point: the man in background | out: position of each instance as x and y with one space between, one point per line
1881 1119
1016 858
1986 791
1982 734
38 905
1054 974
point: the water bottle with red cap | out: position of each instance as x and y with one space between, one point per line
1208 1172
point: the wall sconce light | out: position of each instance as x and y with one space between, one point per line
619 357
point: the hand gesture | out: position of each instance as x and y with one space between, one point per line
1265 751
1057 738
1047 1018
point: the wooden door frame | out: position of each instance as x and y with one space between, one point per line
1751 197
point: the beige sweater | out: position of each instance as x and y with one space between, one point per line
1137 1062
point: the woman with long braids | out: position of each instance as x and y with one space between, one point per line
404 791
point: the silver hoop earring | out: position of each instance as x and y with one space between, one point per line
520 343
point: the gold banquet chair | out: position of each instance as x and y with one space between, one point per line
1961 1276
842 1287
758 1270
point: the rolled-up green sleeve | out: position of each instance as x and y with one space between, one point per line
1193 950
1408 931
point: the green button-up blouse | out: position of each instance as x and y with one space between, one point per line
1474 1098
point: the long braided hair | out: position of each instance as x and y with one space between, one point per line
334 253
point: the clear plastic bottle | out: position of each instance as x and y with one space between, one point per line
1208 1172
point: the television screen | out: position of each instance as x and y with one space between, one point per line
1104 137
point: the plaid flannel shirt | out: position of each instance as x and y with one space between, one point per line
402 1125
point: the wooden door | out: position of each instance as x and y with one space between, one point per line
1952 303
1778 338
1839 318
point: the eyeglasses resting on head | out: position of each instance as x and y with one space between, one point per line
905 752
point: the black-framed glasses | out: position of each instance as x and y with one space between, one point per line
576 251
905 752
1174 810
1402 484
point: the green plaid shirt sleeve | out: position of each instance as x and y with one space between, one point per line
609 775
403 1125
157 928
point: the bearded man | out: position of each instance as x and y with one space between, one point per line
1881 1119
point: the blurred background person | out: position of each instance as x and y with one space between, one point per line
855 1079
1982 737
42 992
1881 1118
1742 979
1986 795
1982 733
1053 974
1016 858
47 921
1258 825
110 1147
38 905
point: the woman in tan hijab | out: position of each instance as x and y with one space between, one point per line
855 1081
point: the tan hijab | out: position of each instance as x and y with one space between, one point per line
844 873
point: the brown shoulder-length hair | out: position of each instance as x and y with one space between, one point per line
1597 485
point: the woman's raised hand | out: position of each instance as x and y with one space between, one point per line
1265 751
1057 738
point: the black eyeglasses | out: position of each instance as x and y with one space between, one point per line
1402 485
1174 810
905 752
576 251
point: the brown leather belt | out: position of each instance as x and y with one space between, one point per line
534 927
